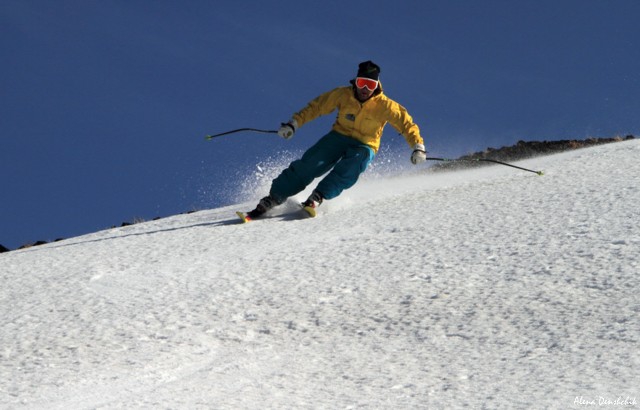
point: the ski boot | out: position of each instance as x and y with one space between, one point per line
263 206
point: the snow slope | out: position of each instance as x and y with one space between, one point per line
487 288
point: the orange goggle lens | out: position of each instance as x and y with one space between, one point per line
362 82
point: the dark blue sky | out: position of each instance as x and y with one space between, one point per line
105 104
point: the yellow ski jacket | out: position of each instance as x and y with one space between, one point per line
362 121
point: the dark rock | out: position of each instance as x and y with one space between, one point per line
3 249
29 245
523 150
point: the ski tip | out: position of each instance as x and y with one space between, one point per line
310 210
243 217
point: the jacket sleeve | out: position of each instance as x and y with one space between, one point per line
403 123
322 105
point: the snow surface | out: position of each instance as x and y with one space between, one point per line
486 288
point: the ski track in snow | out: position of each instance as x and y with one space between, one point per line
486 288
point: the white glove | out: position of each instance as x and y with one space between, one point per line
287 130
419 154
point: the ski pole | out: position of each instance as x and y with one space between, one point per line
485 160
210 137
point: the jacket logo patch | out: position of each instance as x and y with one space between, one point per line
350 117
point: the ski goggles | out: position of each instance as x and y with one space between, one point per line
362 82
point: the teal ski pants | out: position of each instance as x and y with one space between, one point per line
345 158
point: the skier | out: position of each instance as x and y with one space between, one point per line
347 150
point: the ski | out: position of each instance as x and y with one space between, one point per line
243 217
309 212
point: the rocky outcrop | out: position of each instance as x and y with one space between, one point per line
29 245
524 150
